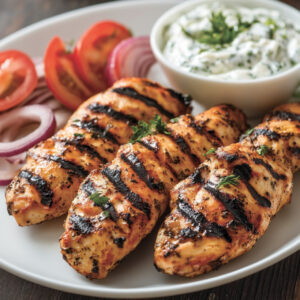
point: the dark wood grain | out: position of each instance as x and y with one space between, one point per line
281 281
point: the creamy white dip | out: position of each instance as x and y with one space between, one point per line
260 43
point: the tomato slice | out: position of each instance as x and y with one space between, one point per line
18 78
92 51
61 75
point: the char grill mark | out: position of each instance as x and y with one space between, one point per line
89 188
188 233
81 225
153 146
285 115
200 222
84 148
294 150
196 177
114 176
210 134
41 185
120 241
138 167
183 98
277 176
184 146
96 130
95 268
235 206
244 172
272 135
131 92
107 110
73 168
228 157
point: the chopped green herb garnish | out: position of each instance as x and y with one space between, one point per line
98 199
105 214
248 132
263 150
79 134
143 129
228 180
221 33
75 120
272 26
210 151
175 120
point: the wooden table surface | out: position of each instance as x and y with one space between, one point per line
281 281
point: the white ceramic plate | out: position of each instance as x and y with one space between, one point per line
33 253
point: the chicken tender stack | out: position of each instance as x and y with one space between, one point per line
220 211
118 205
48 182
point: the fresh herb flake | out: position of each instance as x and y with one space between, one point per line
98 199
104 214
263 150
175 120
143 129
79 134
248 132
228 180
210 151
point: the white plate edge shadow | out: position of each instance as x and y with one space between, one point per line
282 252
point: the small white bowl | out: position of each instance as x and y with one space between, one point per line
255 96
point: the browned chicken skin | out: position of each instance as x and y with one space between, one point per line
136 186
210 225
54 169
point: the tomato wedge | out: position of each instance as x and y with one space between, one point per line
92 50
61 76
18 78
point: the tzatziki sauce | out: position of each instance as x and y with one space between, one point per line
232 43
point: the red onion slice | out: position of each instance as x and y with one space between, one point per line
132 57
7 171
17 159
31 112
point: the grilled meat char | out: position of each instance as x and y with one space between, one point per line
54 169
210 225
136 186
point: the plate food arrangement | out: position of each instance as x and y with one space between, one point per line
133 169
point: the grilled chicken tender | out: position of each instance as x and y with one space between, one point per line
136 186
210 223
44 188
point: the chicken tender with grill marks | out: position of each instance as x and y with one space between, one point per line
226 205
44 188
117 206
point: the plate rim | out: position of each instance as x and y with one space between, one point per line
147 292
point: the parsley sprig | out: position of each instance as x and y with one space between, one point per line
221 33
175 120
228 180
143 129
210 151
263 149
98 199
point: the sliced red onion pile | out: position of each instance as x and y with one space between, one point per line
13 149
133 57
